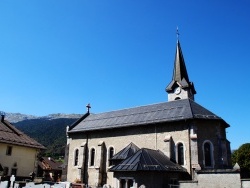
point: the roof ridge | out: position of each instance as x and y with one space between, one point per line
78 121
11 127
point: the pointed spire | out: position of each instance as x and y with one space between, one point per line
180 77
180 72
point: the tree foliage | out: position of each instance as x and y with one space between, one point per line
242 157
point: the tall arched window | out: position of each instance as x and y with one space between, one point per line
110 155
208 154
180 154
92 157
76 157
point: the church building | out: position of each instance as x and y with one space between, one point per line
156 145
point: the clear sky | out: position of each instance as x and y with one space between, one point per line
57 56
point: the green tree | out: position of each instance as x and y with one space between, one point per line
242 157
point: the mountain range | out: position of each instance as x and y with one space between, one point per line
48 130
17 117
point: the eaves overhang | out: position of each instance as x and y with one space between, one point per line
125 126
173 111
22 144
147 124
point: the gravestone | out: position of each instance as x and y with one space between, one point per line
4 184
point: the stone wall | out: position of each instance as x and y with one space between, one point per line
213 132
245 183
162 136
215 179
151 136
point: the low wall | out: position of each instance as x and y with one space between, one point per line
188 184
216 179
245 183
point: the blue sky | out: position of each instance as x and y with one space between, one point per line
57 56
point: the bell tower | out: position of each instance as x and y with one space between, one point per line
180 87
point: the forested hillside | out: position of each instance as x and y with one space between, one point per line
49 132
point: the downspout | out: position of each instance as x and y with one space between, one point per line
189 140
36 161
155 138
190 154
85 168
85 179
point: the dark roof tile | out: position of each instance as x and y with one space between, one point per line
126 152
156 113
11 135
148 160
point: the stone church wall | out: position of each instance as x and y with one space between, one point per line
150 136
214 132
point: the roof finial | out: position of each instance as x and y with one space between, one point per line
177 33
88 107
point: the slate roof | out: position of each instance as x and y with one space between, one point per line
148 160
126 152
177 110
11 135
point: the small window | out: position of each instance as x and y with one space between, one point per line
128 182
207 154
5 171
122 183
92 157
173 182
111 154
9 150
76 157
180 154
13 171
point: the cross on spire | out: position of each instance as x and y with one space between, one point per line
177 33
88 107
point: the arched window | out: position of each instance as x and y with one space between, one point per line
76 157
177 98
180 154
110 155
208 154
92 157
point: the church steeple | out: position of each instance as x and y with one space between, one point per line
180 87
180 72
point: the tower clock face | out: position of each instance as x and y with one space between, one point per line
177 90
